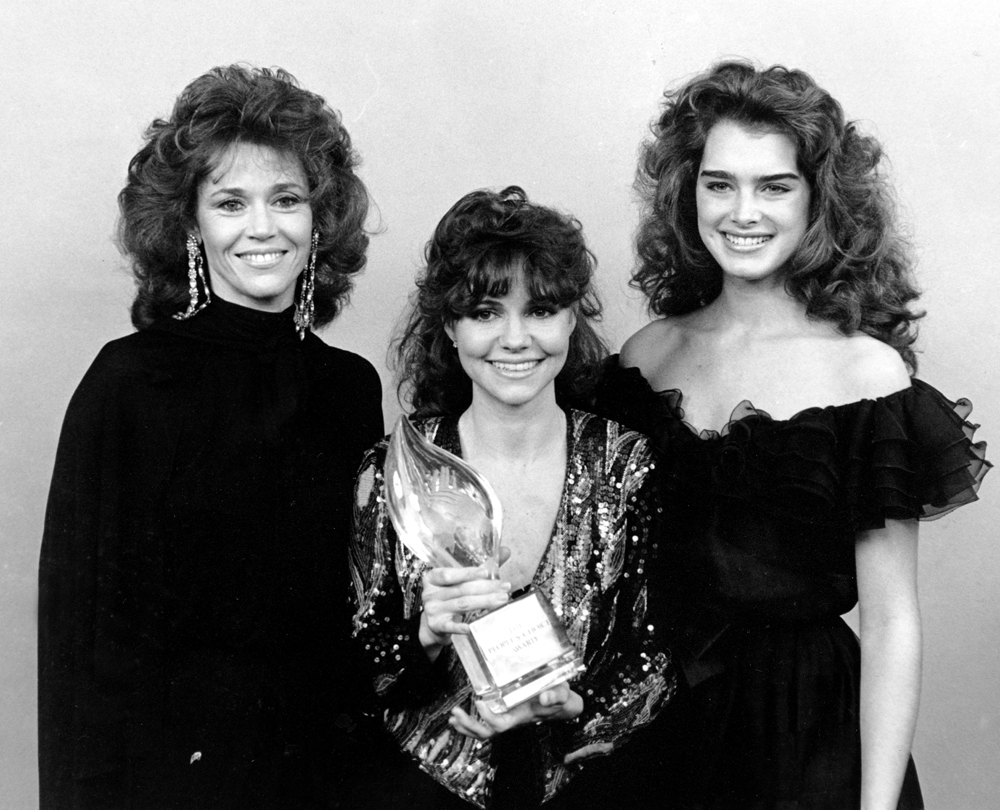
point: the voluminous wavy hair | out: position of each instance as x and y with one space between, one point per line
853 266
227 106
480 249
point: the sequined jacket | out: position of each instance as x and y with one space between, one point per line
593 574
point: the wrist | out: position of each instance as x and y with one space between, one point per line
432 642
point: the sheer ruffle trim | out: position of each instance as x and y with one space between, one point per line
910 454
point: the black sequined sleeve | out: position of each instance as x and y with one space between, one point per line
386 598
630 673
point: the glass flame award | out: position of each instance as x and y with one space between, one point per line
448 515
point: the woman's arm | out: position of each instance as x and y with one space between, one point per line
100 600
890 658
630 674
450 593
69 693
386 597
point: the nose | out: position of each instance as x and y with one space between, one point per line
261 224
515 335
745 211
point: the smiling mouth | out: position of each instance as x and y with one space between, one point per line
262 259
521 365
746 241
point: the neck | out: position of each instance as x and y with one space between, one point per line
524 433
760 307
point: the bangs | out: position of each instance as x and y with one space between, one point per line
494 275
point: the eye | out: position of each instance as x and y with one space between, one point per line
776 189
717 186
482 314
288 201
543 310
230 205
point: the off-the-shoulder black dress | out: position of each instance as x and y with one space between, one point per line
757 567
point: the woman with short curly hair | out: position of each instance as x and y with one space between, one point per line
494 356
475 247
799 454
227 106
192 565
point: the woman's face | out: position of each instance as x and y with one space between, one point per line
512 348
753 204
255 221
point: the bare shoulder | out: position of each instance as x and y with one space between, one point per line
647 348
871 368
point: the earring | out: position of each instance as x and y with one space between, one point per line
454 344
196 272
304 309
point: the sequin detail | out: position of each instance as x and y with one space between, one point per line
592 572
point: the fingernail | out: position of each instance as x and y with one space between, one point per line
505 585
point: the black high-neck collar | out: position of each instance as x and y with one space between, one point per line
239 326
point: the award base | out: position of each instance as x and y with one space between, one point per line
516 652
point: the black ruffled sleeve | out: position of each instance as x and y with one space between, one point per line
623 395
910 455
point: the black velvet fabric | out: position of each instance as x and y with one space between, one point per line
756 568
192 590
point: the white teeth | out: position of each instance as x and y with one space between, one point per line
260 258
745 241
523 366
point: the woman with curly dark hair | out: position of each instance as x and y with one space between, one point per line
498 348
193 562
801 453
472 257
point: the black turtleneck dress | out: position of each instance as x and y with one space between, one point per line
193 613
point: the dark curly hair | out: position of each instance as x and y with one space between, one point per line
226 106
853 266
479 249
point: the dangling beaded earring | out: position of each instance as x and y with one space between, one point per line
304 309
196 272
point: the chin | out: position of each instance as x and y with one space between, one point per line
750 272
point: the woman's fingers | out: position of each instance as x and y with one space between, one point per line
450 593
499 723
556 696
461 590
531 711
443 577
558 703
465 724
457 603
443 625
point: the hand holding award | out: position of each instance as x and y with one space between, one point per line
448 515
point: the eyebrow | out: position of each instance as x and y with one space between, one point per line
766 178
278 187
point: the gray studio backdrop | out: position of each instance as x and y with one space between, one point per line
444 97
